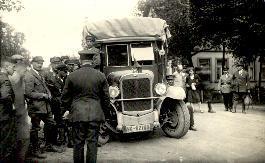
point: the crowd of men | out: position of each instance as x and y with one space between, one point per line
31 94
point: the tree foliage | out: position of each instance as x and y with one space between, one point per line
177 15
11 41
9 5
236 24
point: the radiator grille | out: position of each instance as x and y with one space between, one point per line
136 88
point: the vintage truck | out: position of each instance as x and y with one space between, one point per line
134 60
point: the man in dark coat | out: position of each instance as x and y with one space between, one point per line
224 86
54 85
7 114
240 87
58 84
38 97
86 96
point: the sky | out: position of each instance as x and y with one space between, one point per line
54 27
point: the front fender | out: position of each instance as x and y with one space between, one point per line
174 93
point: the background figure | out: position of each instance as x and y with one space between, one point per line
22 118
240 87
86 95
224 86
193 94
7 115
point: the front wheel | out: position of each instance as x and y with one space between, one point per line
177 120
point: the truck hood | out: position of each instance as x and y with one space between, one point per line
114 77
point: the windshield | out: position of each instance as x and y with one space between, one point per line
117 55
142 53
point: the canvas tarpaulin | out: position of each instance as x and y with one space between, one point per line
127 28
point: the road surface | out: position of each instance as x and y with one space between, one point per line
221 137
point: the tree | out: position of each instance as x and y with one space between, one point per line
10 41
236 24
177 15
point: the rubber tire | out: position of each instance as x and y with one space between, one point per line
184 122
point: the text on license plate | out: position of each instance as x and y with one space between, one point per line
138 128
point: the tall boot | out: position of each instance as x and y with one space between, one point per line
210 109
70 137
61 138
243 108
34 150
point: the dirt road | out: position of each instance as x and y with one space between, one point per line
221 137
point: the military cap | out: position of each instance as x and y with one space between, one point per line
88 53
17 57
61 67
55 59
72 61
37 59
64 57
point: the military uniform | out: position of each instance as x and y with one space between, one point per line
55 86
72 64
240 87
225 87
86 96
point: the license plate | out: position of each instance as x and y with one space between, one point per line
138 128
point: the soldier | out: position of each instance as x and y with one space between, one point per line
7 116
53 85
72 64
59 79
86 96
66 125
38 98
224 87
240 87
64 58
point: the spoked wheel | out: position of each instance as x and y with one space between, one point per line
177 121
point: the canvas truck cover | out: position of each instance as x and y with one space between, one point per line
127 29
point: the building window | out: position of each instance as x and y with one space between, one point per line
205 69
218 68
251 71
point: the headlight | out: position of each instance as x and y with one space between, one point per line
114 91
160 88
